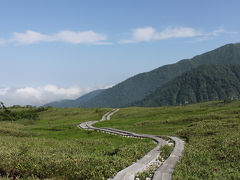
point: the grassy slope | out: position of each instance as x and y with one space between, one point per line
53 147
211 131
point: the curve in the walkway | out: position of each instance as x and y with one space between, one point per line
162 173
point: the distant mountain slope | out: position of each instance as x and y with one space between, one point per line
138 86
204 83
77 102
141 85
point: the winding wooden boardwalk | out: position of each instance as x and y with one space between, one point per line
165 170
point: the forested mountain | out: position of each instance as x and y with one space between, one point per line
75 103
204 83
139 86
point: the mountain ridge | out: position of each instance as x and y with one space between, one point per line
138 87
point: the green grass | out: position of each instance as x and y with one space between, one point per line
158 121
165 151
52 146
211 131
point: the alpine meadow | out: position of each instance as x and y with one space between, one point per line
119 90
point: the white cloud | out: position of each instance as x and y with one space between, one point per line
31 37
216 32
178 33
41 95
67 92
28 92
144 34
210 35
89 37
147 34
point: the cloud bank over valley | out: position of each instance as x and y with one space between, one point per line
38 96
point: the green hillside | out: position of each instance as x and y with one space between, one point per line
139 86
207 82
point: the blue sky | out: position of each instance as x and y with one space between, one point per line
54 49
